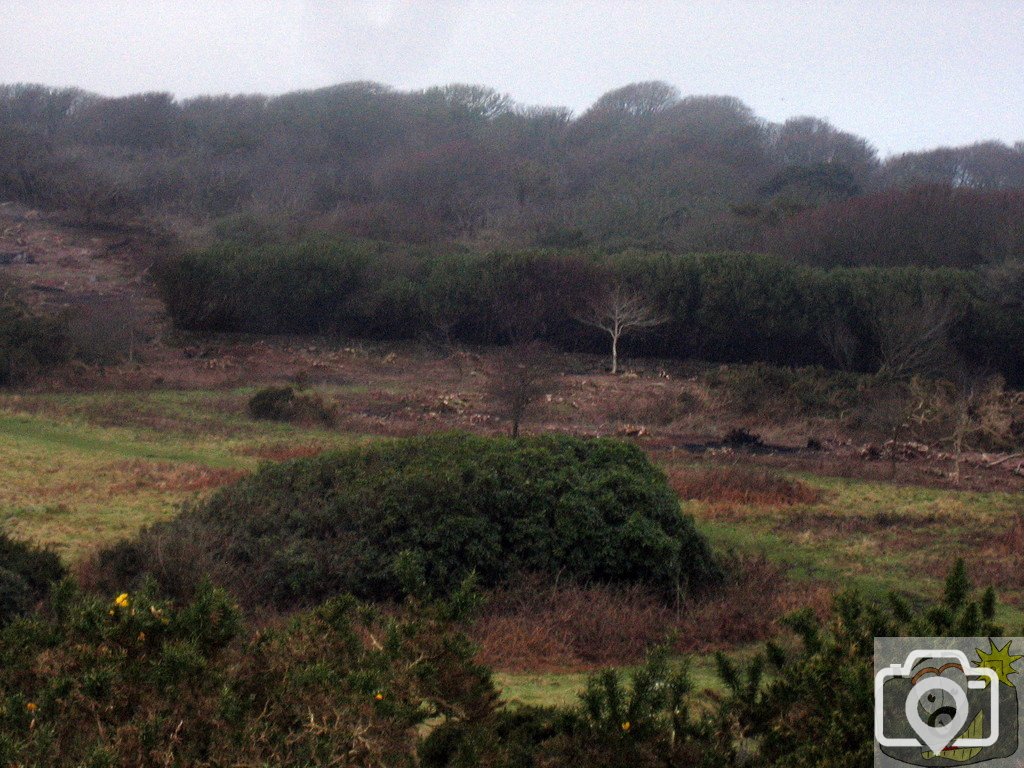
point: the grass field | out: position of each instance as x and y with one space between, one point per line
79 470
71 479
562 689
878 537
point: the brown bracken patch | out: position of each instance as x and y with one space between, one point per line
741 485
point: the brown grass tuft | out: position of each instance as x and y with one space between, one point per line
1001 563
747 608
284 452
540 626
537 626
165 476
738 485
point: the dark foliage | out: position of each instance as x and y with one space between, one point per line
419 515
134 682
138 681
644 166
807 704
285 404
719 307
930 226
29 343
26 575
813 708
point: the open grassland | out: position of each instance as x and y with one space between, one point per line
80 470
561 689
876 536
71 479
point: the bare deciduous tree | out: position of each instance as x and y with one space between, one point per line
519 376
619 312
913 337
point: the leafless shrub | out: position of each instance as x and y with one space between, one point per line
106 331
913 336
840 343
979 414
538 624
519 376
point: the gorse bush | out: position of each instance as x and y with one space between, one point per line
29 343
646 719
815 709
419 515
133 682
285 404
806 701
26 575
130 680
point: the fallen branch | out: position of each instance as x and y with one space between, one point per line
1009 456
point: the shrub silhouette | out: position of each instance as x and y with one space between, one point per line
418 515
29 343
285 404
130 680
26 574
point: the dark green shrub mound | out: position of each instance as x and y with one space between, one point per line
26 574
29 343
285 404
421 514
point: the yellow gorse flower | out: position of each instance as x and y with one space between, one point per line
379 697
31 706
121 601
626 726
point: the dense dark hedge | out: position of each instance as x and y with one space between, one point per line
721 307
421 514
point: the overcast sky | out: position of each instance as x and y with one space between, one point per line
905 75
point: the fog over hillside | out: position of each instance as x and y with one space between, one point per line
644 165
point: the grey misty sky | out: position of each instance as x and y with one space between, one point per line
905 75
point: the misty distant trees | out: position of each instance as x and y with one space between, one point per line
643 166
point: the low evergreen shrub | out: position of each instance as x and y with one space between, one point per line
285 404
26 575
419 515
135 682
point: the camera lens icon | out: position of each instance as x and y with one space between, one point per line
943 702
